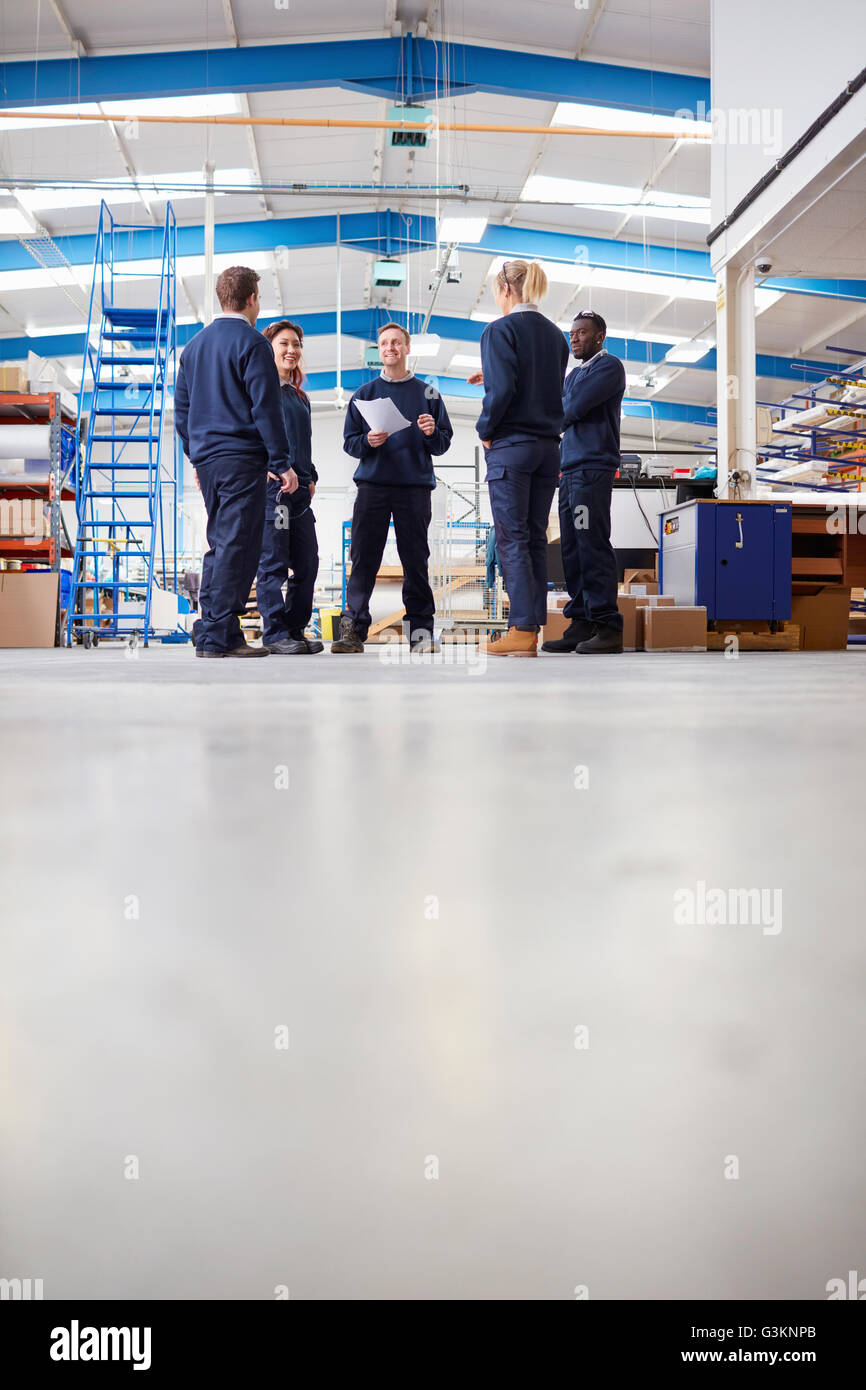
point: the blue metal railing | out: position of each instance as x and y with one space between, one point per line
116 551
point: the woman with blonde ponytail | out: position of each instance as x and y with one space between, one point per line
523 361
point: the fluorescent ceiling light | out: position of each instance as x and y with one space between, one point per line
219 104
616 118
477 316
644 335
119 191
36 279
467 230
465 359
41 330
127 272
13 221
690 350
213 104
425 345
619 198
631 281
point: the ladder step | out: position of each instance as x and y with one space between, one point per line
134 337
131 318
124 438
121 410
106 467
107 494
131 362
144 388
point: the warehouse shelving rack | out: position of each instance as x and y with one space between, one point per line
817 426
130 370
51 488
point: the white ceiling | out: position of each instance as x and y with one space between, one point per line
659 34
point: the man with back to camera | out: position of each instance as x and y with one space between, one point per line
592 400
230 420
395 478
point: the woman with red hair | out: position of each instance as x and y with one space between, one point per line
290 552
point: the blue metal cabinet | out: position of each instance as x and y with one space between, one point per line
732 558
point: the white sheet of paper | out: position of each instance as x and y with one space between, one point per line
382 414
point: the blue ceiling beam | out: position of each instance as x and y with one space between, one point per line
456 386
389 233
670 410
365 323
393 68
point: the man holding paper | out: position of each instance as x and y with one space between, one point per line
395 430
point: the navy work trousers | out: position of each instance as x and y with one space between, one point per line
288 543
411 508
588 560
521 480
233 489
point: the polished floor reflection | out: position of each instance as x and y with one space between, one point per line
365 980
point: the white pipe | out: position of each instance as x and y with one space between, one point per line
339 391
207 314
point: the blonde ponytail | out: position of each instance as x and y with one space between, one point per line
527 281
535 283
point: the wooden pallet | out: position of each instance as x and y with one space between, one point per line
788 640
395 619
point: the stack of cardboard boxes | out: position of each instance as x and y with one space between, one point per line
652 622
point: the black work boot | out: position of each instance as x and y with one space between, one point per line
295 646
349 639
607 640
578 630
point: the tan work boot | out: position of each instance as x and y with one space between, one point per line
515 642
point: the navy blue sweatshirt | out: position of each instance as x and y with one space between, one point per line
299 428
406 458
523 359
592 401
227 397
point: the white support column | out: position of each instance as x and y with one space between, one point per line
735 377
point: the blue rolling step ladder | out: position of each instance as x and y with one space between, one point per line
127 487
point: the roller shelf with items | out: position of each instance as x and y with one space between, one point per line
36 428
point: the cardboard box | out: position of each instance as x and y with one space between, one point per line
644 576
644 602
627 605
28 608
13 378
821 613
642 587
555 625
675 629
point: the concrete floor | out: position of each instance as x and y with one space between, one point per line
432 908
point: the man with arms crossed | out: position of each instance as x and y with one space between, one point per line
592 399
